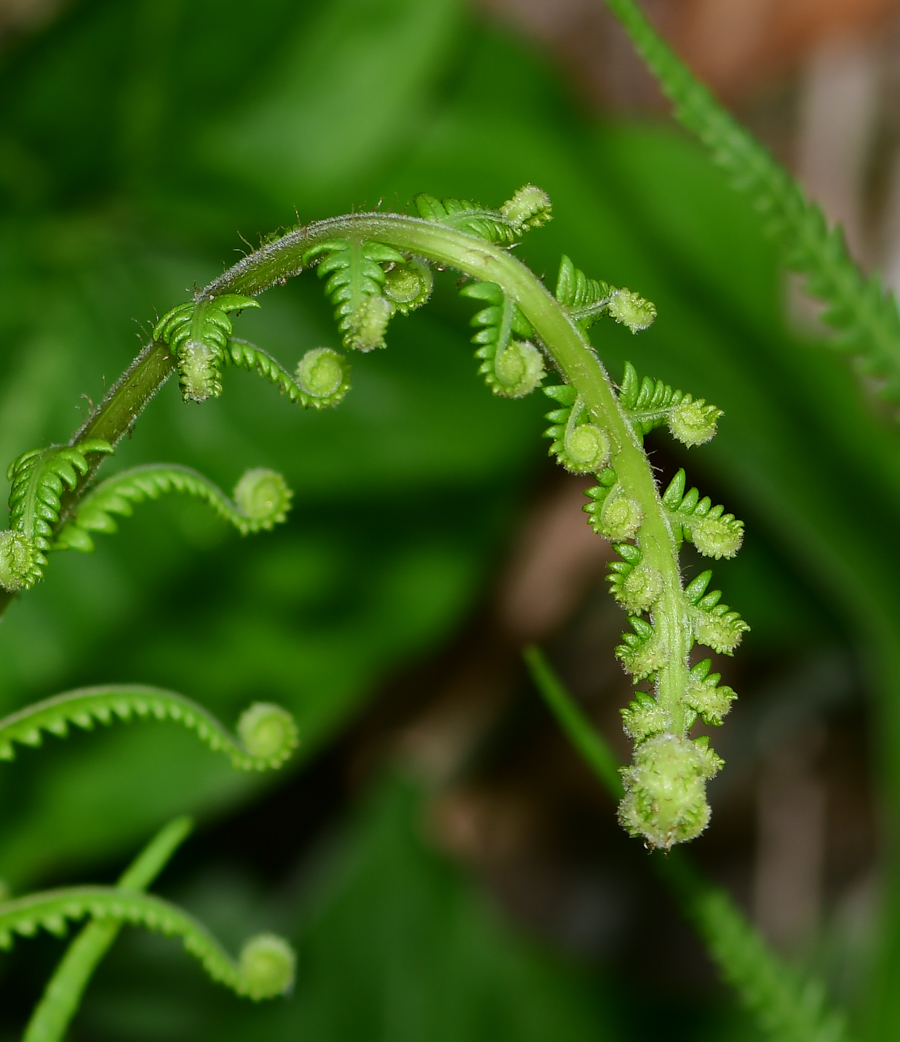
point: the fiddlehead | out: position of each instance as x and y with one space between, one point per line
594 429
197 334
322 378
710 529
511 367
38 480
265 967
266 733
261 500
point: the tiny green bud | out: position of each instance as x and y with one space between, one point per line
408 286
709 701
18 557
530 207
645 717
720 631
518 369
198 371
267 966
620 518
369 324
321 372
694 423
715 536
263 498
267 732
630 309
640 589
665 790
587 447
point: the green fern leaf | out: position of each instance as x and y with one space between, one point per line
356 279
633 584
511 367
651 403
265 967
198 332
39 479
642 653
710 529
714 624
586 300
261 500
529 208
612 513
266 734
322 378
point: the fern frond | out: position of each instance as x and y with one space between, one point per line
714 624
586 299
709 528
356 279
266 733
864 316
652 403
64 990
578 445
633 583
38 479
261 500
265 967
612 513
709 699
642 653
512 368
322 380
197 333
529 208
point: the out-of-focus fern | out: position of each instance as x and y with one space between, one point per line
864 316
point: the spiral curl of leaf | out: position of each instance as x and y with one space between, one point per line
586 299
198 332
261 500
267 734
322 378
511 368
651 403
38 480
529 207
265 967
714 533
579 445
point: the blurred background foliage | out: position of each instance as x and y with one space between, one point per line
446 867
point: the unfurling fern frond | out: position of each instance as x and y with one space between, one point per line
612 513
579 445
264 969
356 285
261 500
714 624
197 333
512 368
586 300
529 208
322 379
633 583
266 733
39 479
710 529
651 403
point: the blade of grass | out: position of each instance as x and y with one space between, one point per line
63 993
786 1007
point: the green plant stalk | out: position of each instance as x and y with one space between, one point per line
64 991
787 1008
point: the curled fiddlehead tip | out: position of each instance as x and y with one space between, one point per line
408 286
324 376
630 309
530 207
518 369
268 733
18 560
694 423
263 498
665 790
267 965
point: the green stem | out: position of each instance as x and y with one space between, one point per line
64 992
